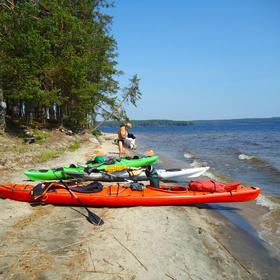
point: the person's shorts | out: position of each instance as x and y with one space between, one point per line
116 141
129 143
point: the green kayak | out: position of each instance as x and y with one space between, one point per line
59 173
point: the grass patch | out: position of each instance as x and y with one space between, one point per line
75 145
21 148
52 153
49 154
41 136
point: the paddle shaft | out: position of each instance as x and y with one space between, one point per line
92 217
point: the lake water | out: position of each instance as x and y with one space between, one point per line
246 150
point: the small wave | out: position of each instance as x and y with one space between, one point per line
266 202
195 163
188 155
251 143
208 174
261 163
211 175
245 157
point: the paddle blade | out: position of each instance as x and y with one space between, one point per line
94 219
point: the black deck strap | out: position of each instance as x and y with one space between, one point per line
136 186
40 189
173 169
130 173
128 158
93 187
88 170
95 170
70 183
214 183
9 188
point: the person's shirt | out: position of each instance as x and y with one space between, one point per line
122 132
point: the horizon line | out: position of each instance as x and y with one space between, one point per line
230 119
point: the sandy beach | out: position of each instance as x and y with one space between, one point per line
51 242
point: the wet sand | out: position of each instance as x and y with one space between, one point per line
51 242
243 231
246 228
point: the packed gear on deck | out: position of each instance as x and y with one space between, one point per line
212 186
152 175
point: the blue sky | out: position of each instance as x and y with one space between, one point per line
200 59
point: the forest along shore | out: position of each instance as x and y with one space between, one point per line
134 243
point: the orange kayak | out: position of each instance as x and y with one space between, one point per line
119 196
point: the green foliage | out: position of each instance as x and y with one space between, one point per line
40 136
48 154
132 93
75 145
62 53
23 148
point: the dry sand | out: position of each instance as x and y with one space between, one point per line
51 242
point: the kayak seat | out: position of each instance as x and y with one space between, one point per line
41 188
58 169
130 158
38 190
93 187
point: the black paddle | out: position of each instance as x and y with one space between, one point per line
92 217
39 189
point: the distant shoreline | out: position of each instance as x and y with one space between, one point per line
164 122
151 123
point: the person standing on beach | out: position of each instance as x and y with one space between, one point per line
122 136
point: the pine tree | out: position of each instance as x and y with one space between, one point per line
58 56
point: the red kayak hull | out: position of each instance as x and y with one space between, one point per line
119 196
